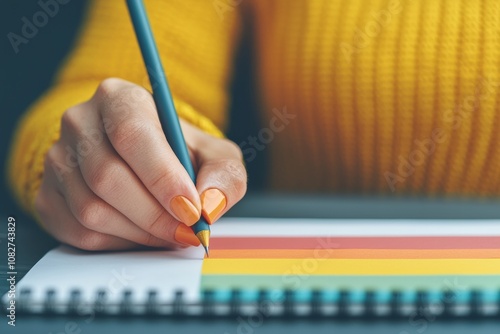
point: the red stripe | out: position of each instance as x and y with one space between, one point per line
355 242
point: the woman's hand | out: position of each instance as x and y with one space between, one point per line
113 182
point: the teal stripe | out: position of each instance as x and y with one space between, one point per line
250 285
375 283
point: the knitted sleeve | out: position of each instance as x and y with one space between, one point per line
196 44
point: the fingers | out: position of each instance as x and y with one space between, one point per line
114 182
222 178
138 139
95 214
112 187
59 222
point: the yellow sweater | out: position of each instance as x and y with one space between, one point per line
357 95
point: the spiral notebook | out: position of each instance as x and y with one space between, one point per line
278 267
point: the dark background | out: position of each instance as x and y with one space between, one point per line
26 75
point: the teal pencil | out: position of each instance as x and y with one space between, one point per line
164 102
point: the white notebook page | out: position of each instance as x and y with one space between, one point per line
64 268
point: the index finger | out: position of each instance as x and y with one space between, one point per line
135 132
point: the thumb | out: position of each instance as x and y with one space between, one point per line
222 178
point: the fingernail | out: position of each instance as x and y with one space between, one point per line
185 235
213 202
184 210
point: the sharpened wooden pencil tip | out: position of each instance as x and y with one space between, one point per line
204 237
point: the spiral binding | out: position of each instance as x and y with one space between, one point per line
289 305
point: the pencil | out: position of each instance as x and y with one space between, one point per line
164 102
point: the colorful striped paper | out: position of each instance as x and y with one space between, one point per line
352 261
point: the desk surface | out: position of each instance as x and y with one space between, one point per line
32 244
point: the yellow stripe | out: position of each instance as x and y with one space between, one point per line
313 266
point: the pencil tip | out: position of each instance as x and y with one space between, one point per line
204 237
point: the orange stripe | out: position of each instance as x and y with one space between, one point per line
355 253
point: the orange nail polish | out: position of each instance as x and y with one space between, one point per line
213 202
185 235
184 210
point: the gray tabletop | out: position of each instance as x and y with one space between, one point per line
32 243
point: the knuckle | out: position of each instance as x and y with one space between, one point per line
71 121
91 241
163 179
233 149
51 157
232 175
126 99
237 176
92 214
128 133
156 225
149 240
108 87
56 164
104 178
136 95
235 169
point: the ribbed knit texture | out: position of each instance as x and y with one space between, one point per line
368 78
365 79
